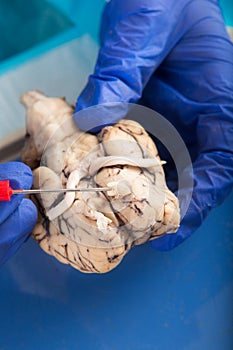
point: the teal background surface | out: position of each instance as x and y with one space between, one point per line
25 26
227 8
69 19
180 300
28 31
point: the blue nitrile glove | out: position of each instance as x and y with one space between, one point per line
176 58
19 215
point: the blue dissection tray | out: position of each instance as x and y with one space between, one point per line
179 300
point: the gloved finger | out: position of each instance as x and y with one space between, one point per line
139 34
16 229
213 179
20 176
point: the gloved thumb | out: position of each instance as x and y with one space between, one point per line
16 229
20 176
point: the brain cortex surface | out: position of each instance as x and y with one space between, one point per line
93 231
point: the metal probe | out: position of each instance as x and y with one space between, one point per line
6 191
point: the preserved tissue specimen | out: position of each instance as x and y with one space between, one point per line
92 231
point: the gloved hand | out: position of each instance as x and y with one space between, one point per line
176 58
19 215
